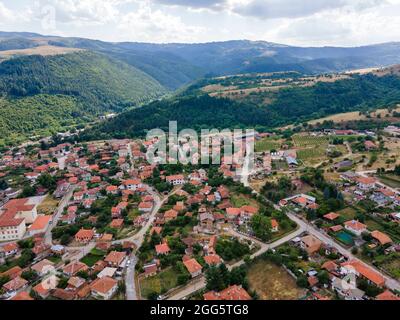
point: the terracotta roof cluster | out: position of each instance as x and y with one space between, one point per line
234 292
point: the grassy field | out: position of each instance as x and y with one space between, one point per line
347 213
94 256
48 206
391 264
391 180
159 283
239 200
272 282
267 144
309 141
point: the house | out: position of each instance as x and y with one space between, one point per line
366 183
193 267
12 273
9 249
274 225
206 221
331 216
43 267
39 225
117 223
387 295
162 249
84 236
311 244
115 258
15 284
112 189
73 268
150 269
132 184
104 288
381 237
234 292
107 272
44 288
15 215
75 283
233 213
362 270
175 180
170 215
213 259
145 207
355 227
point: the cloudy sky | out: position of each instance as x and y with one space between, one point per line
294 22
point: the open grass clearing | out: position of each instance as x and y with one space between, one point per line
272 282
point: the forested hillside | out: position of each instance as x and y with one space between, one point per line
194 109
43 94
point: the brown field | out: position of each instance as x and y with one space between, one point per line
44 50
48 206
267 85
272 282
353 116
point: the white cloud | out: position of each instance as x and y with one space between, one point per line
5 14
273 9
154 25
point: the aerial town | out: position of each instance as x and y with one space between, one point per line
316 218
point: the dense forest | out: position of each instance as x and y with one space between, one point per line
44 94
193 109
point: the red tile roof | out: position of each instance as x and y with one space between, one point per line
231 293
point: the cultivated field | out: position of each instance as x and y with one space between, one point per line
41 50
267 144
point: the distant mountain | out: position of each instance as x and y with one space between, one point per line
175 65
43 94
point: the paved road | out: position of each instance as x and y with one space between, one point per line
390 282
200 282
138 239
61 206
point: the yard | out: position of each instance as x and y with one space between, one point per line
267 144
310 141
272 282
48 206
239 200
159 283
94 256
391 264
391 180
348 213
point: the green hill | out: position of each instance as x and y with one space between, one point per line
44 94
194 109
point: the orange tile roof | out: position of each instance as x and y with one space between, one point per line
332 216
212 259
355 225
40 223
192 265
115 257
162 248
366 272
383 238
103 285
234 292
274 223
387 295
